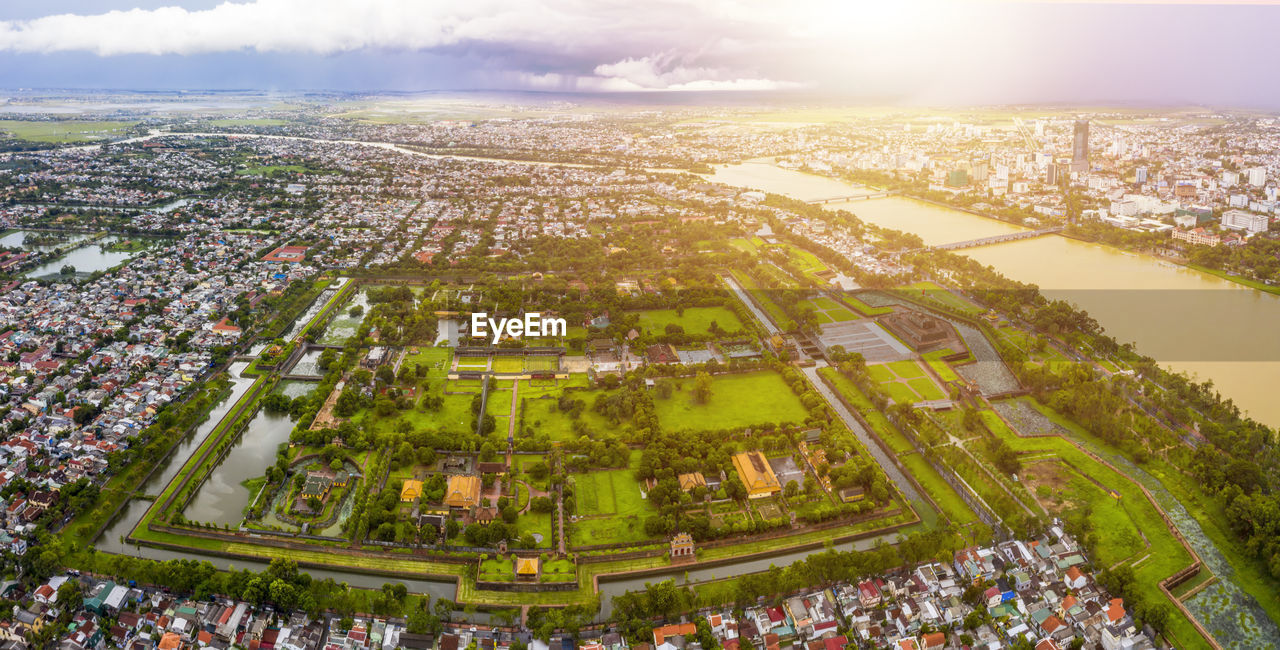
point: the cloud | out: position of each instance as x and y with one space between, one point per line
904 50
582 44
665 72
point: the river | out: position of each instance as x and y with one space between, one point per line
1189 321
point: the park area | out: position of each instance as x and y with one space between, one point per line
736 401
695 321
829 311
610 507
1129 529
63 131
905 381
932 293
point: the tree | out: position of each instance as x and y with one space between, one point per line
702 387
69 596
404 454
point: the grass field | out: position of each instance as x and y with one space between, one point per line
931 292
942 494
747 245
865 309
905 381
862 404
541 363
807 262
610 507
59 132
829 311
510 365
497 569
543 416
739 400
944 371
694 320
1116 532
761 296
559 570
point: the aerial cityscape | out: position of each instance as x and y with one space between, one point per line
701 326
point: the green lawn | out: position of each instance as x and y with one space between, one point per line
925 388
542 416
1115 536
695 320
880 373
906 369
944 371
901 393
559 570
497 569
57 132
610 507
761 296
905 381
510 365
738 400
829 311
942 494
930 292
865 309
807 262
862 404
435 359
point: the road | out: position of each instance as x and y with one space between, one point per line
746 300
811 373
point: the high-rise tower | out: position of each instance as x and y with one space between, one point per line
1080 147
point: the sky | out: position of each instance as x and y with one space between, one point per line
907 51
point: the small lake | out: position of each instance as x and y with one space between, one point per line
19 239
86 259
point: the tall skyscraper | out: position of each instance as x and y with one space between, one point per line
1142 175
1080 147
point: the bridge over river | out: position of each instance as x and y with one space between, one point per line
852 197
994 239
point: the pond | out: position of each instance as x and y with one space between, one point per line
19 239
86 259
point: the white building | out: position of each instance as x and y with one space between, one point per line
1246 221
1257 176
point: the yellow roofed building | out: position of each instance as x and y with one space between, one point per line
411 491
753 468
463 492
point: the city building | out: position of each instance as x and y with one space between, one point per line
1258 176
1080 147
1246 221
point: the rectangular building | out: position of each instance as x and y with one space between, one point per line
756 474
1246 221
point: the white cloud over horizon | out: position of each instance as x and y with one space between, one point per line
612 45
915 51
